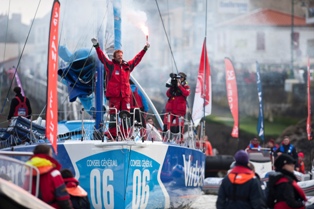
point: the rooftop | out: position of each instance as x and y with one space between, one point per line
264 17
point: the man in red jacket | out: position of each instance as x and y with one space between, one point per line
176 106
118 90
52 189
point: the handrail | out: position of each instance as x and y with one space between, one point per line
30 170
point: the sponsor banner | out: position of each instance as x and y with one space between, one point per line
52 69
232 96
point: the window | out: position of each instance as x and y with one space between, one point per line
310 48
296 40
260 41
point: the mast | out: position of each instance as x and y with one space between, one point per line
99 89
202 132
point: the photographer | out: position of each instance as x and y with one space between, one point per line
177 93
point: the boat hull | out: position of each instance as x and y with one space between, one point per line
133 174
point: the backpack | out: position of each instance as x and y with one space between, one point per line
21 109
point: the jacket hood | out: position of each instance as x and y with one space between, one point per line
43 163
240 175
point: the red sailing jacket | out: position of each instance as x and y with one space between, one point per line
118 75
21 109
136 100
297 188
177 104
52 189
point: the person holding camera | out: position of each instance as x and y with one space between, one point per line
118 90
177 93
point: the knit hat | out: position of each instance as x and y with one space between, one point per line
272 141
241 158
282 160
300 154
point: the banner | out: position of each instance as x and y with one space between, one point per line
260 123
52 72
18 82
308 121
202 105
232 96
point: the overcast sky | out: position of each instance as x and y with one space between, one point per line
26 7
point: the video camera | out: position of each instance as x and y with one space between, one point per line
173 81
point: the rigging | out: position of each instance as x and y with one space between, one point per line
18 63
163 25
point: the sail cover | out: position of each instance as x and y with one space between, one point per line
52 68
202 105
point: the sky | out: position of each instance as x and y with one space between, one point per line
26 7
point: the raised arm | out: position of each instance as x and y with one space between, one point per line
137 59
101 56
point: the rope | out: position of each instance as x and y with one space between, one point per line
66 98
18 63
163 25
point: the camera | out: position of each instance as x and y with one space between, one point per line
173 81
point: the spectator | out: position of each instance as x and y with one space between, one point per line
272 145
287 148
262 186
254 144
208 149
240 189
78 195
118 89
151 131
283 190
301 167
20 105
176 106
150 121
52 189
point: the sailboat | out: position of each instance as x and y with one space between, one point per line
129 173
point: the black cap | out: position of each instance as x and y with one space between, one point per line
284 159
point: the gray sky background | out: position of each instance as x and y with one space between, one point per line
25 7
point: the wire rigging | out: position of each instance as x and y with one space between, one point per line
163 25
18 63
80 73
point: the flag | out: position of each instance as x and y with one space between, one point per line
232 96
202 105
260 123
308 121
52 68
17 78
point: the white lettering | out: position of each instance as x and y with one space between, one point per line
194 175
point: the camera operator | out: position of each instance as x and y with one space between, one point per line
177 93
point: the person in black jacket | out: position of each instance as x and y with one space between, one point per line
20 105
77 194
240 189
283 190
